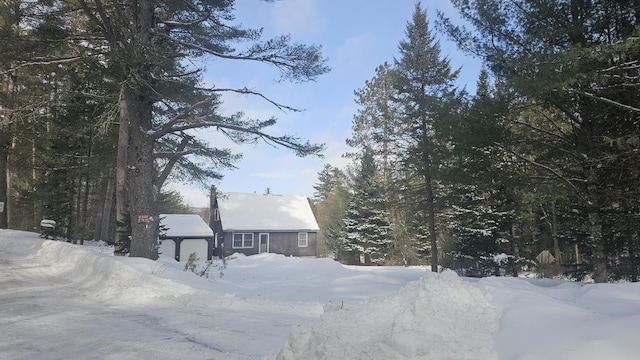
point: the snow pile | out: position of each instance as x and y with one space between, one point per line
97 272
555 319
292 279
438 317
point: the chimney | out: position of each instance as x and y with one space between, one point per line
212 211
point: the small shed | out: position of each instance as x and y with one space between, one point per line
184 234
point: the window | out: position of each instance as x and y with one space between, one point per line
242 240
303 239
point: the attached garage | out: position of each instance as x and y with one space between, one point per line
184 234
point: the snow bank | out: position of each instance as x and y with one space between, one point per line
438 317
554 319
292 279
139 281
248 313
104 276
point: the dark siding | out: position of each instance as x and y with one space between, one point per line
285 243
228 245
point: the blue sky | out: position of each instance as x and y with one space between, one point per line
356 36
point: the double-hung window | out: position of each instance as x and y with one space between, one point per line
303 239
242 240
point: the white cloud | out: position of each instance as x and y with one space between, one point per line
273 175
297 16
308 178
192 195
356 49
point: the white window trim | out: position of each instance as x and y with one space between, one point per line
244 235
305 239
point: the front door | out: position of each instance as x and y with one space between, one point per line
264 242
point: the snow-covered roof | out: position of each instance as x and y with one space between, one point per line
184 225
242 211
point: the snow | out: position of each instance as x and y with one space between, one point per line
64 301
244 211
184 225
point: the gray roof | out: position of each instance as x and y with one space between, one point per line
242 211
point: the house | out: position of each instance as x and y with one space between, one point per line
256 223
184 234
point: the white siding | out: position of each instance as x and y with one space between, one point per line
168 248
189 246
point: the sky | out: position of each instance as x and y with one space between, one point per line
73 302
356 36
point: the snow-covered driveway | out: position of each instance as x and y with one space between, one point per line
63 301
54 312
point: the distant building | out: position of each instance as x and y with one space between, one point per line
255 223
184 234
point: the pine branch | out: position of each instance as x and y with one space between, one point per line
611 102
556 173
42 62
246 91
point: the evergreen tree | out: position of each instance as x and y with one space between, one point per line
482 191
171 202
424 83
376 124
328 179
367 234
329 206
142 47
578 61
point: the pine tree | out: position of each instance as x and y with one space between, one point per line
376 124
367 234
425 85
481 214
330 206
577 60
143 46
328 179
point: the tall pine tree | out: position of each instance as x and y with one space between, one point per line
424 81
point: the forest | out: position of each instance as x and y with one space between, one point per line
101 103
536 172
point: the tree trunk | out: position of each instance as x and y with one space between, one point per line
633 255
598 248
5 190
431 215
121 240
99 208
515 249
104 206
432 224
107 216
142 194
5 145
84 209
141 189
